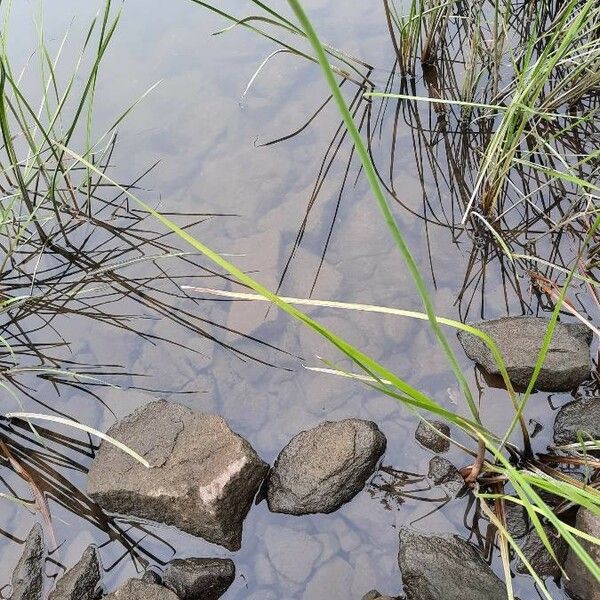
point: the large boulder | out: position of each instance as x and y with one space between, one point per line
577 417
199 578
81 581
519 340
440 567
324 467
582 585
136 589
28 577
202 478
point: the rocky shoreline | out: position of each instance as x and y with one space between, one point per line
204 479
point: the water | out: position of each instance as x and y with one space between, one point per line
205 136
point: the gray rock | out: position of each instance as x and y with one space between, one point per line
538 556
28 577
136 589
519 340
324 467
203 476
199 578
375 595
440 567
443 473
582 585
81 581
579 416
516 520
426 434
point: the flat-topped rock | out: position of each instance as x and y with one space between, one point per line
324 467
203 477
519 340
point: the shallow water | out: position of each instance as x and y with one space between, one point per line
197 124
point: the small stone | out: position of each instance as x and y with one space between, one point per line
444 567
577 417
519 339
538 556
442 472
375 595
203 477
136 589
151 576
582 585
28 577
81 581
426 434
324 467
516 520
199 578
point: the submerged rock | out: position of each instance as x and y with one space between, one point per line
427 435
441 567
81 581
519 340
136 589
28 577
443 473
203 476
579 416
375 595
538 556
582 585
324 467
517 523
199 578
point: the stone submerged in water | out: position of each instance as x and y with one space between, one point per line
199 578
582 585
324 467
81 581
538 556
427 435
443 473
28 577
578 417
519 340
203 477
441 567
135 589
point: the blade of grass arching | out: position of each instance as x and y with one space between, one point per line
366 363
26 416
369 170
339 55
487 340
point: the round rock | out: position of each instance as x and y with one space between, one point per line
136 589
324 467
28 577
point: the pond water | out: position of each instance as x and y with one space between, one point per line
207 138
